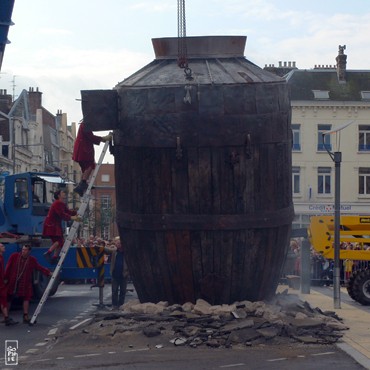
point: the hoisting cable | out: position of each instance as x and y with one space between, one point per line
182 52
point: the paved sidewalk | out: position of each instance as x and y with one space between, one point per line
356 340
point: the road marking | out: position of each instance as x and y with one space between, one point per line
136 350
232 365
60 358
32 350
43 360
88 355
40 344
71 293
112 353
80 323
52 331
277 359
323 354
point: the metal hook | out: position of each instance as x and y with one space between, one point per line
188 73
187 97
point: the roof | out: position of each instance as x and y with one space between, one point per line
303 82
6 10
213 60
205 71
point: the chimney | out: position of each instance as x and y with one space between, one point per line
341 64
35 98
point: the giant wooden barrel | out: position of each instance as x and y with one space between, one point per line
203 174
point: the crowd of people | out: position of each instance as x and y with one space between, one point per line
322 268
16 277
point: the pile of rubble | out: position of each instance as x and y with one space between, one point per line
284 319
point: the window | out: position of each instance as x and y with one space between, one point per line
296 180
301 221
296 129
105 178
365 95
20 193
321 94
364 181
105 215
105 233
105 201
324 180
323 142
47 157
364 137
38 192
5 150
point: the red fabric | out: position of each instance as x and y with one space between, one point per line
58 212
83 149
58 239
22 268
85 165
3 287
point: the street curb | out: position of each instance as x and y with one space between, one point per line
356 355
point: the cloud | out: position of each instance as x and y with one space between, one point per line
157 7
54 31
98 64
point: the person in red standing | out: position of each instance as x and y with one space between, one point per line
84 154
19 274
53 229
3 291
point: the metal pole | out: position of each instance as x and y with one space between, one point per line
336 272
305 267
13 151
100 278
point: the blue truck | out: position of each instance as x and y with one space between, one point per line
27 198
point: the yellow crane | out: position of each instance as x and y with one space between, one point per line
354 229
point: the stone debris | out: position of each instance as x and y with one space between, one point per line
283 319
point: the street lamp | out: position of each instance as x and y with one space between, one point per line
337 159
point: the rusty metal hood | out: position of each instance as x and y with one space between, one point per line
212 59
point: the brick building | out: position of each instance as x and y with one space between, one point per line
102 217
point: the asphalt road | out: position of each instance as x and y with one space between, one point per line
68 307
58 341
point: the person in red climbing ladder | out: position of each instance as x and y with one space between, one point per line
58 212
84 155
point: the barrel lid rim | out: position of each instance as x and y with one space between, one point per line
201 46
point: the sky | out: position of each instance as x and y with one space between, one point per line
63 47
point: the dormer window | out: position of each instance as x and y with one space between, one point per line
365 95
321 94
